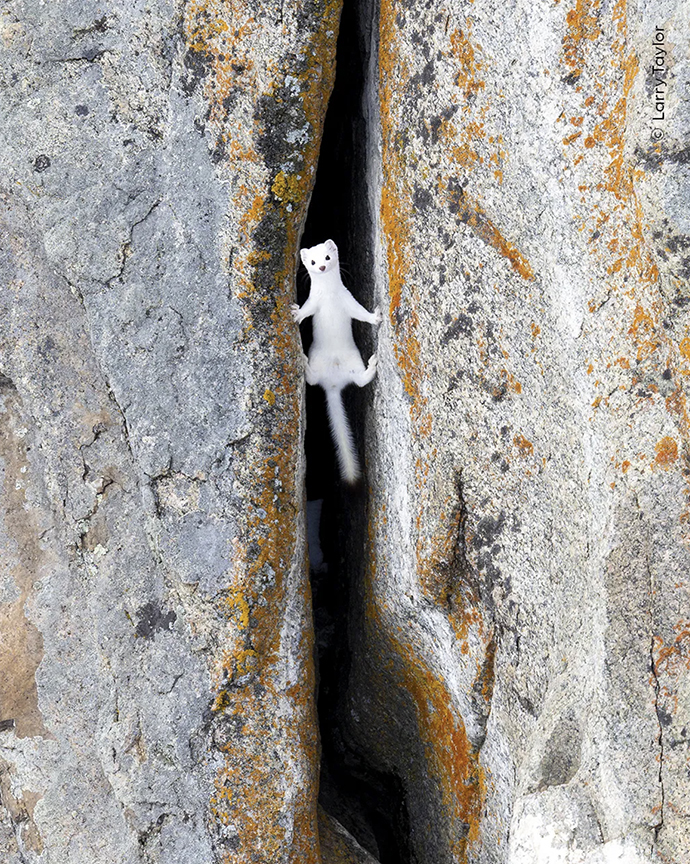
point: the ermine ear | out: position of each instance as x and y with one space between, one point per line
330 245
304 256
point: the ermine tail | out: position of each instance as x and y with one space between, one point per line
342 436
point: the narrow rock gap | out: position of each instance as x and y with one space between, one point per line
367 802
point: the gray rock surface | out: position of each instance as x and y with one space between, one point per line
520 659
519 616
156 697
338 846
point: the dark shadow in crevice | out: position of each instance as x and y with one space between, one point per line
366 801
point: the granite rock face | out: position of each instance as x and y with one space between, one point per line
518 624
520 654
156 697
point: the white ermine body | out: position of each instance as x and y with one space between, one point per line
334 359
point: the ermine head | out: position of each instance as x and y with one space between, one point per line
321 258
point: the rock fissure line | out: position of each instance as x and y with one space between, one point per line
126 246
657 690
367 802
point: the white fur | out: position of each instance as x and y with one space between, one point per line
334 360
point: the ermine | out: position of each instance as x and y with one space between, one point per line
334 360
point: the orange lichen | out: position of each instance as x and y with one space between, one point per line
267 562
236 602
452 760
615 220
643 331
525 447
470 214
469 64
396 213
452 763
673 658
467 134
287 187
581 26
666 452
507 382
621 245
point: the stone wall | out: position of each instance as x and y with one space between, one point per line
508 583
156 696
524 606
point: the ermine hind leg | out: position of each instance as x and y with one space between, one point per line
367 375
309 374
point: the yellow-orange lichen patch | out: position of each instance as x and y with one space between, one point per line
615 222
452 761
582 26
236 603
470 213
524 447
666 452
644 332
466 155
287 187
396 210
226 39
675 657
467 56
248 788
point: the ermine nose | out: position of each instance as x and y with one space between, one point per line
322 267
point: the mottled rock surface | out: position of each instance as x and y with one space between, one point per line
338 846
156 694
521 646
515 683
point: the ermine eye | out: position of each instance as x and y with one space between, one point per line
313 262
328 257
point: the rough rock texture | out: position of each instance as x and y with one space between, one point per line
521 631
518 630
338 846
156 693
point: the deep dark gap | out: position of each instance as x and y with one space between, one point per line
366 801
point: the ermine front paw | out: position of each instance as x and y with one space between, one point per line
305 360
373 360
378 317
294 309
